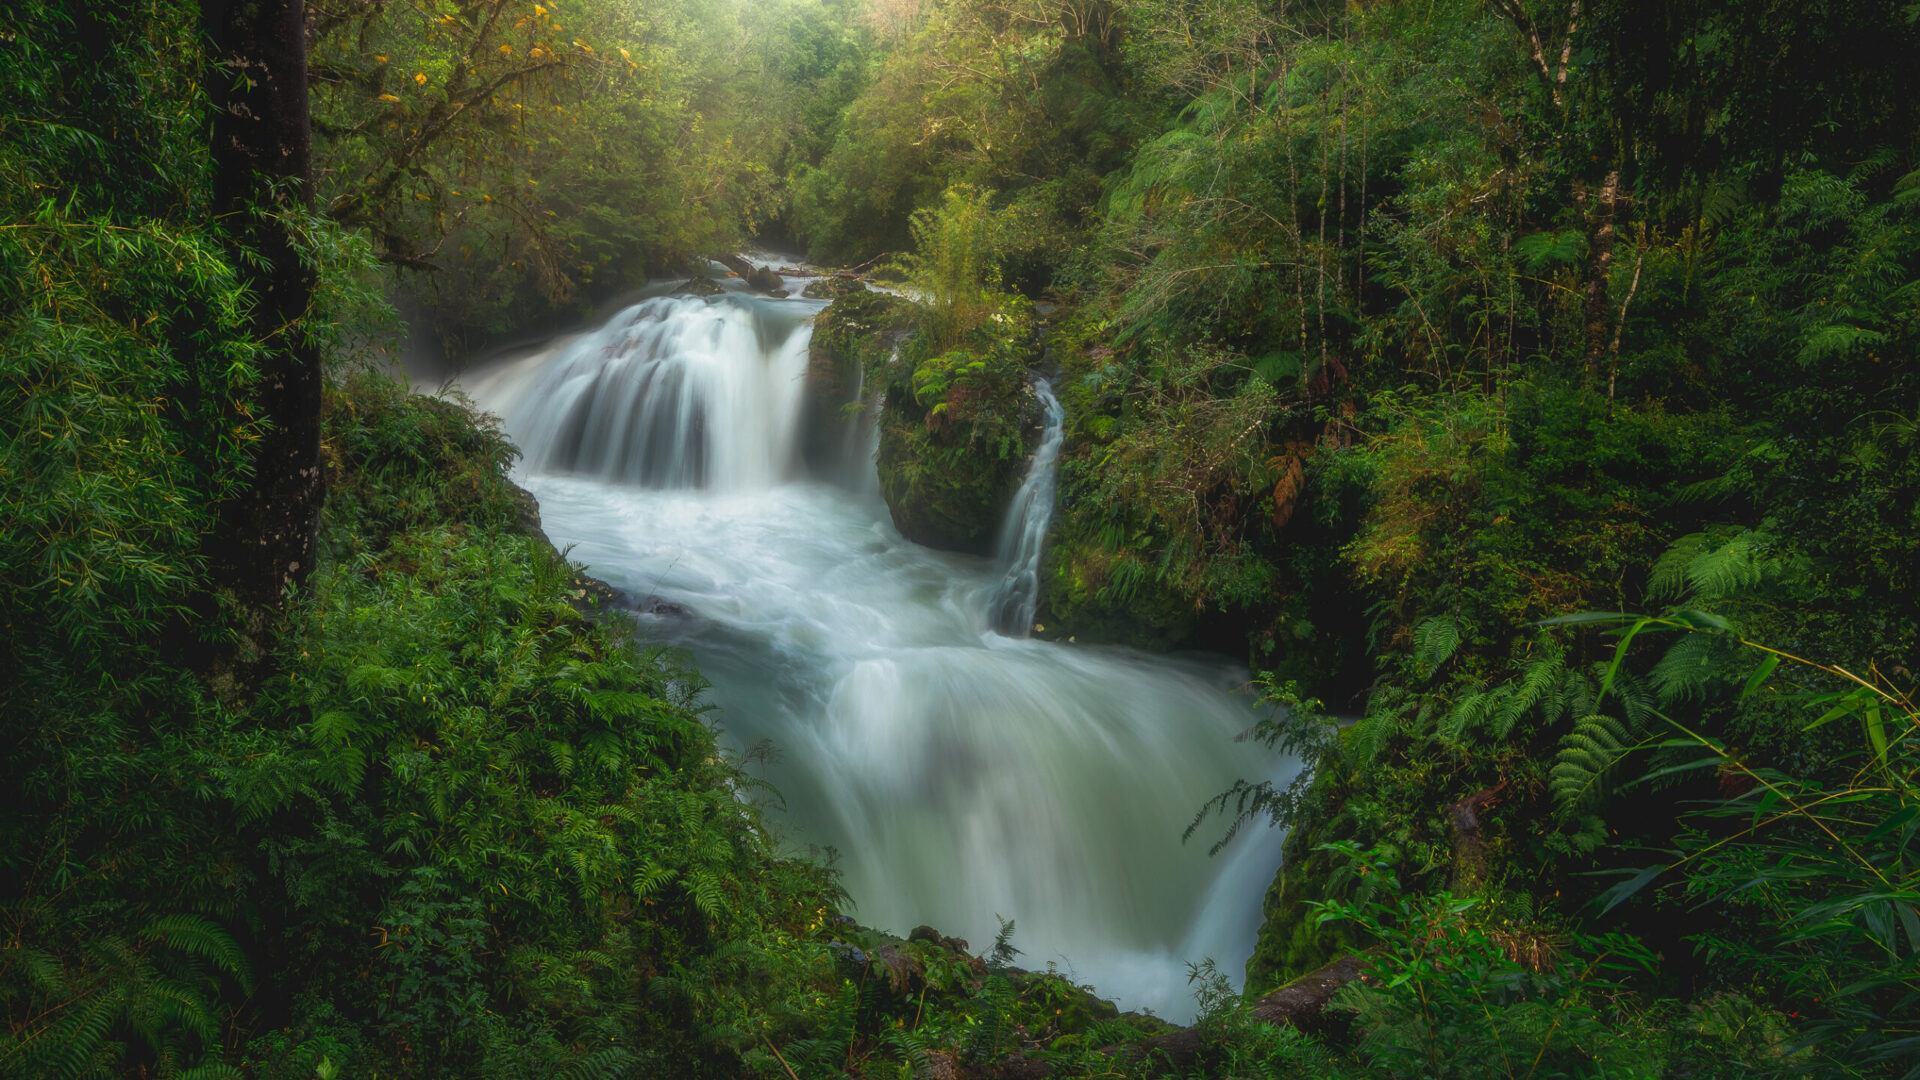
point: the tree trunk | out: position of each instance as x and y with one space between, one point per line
1599 306
265 539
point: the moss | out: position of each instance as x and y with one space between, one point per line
1076 601
956 429
1290 945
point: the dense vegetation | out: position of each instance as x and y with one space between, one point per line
1402 344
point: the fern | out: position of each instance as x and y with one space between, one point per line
1687 668
1837 340
825 1055
707 894
1586 756
612 1063
1698 567
993 1007
1546 250
1003 951
1435 640
1370 733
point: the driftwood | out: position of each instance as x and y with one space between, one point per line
758 278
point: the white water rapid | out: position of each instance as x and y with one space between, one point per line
961 774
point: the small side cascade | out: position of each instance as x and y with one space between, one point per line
1023 535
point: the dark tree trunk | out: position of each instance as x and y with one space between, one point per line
263 163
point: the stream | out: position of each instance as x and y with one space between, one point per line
960 770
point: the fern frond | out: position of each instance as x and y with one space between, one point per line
1469 712
201 937
707 894
1435 640
612 1063
1686 668
212 1070
1586 755
1725 569
1669 579
1370 733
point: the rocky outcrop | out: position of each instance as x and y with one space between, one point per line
852 338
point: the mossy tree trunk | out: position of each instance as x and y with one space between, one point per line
262 148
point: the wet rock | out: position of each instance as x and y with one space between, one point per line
832 288
701 286
653 605
912 966
933 937
1301 1004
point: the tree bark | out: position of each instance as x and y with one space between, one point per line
1599 305
265 538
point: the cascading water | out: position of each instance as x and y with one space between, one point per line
1023 536
672 392
960 773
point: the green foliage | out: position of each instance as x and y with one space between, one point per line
1449 997
951 271
522 161
1816 878
956 425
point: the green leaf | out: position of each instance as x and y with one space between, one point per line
1892 821
1759 675
1625 891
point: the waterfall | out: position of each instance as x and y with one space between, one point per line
961 774
674 392
1023 535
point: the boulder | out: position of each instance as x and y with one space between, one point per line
700 286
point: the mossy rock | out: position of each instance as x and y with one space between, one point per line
1072 602
944 491
957 426
956 435
700 286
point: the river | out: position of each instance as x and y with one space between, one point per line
959 774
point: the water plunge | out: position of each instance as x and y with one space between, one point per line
960 773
